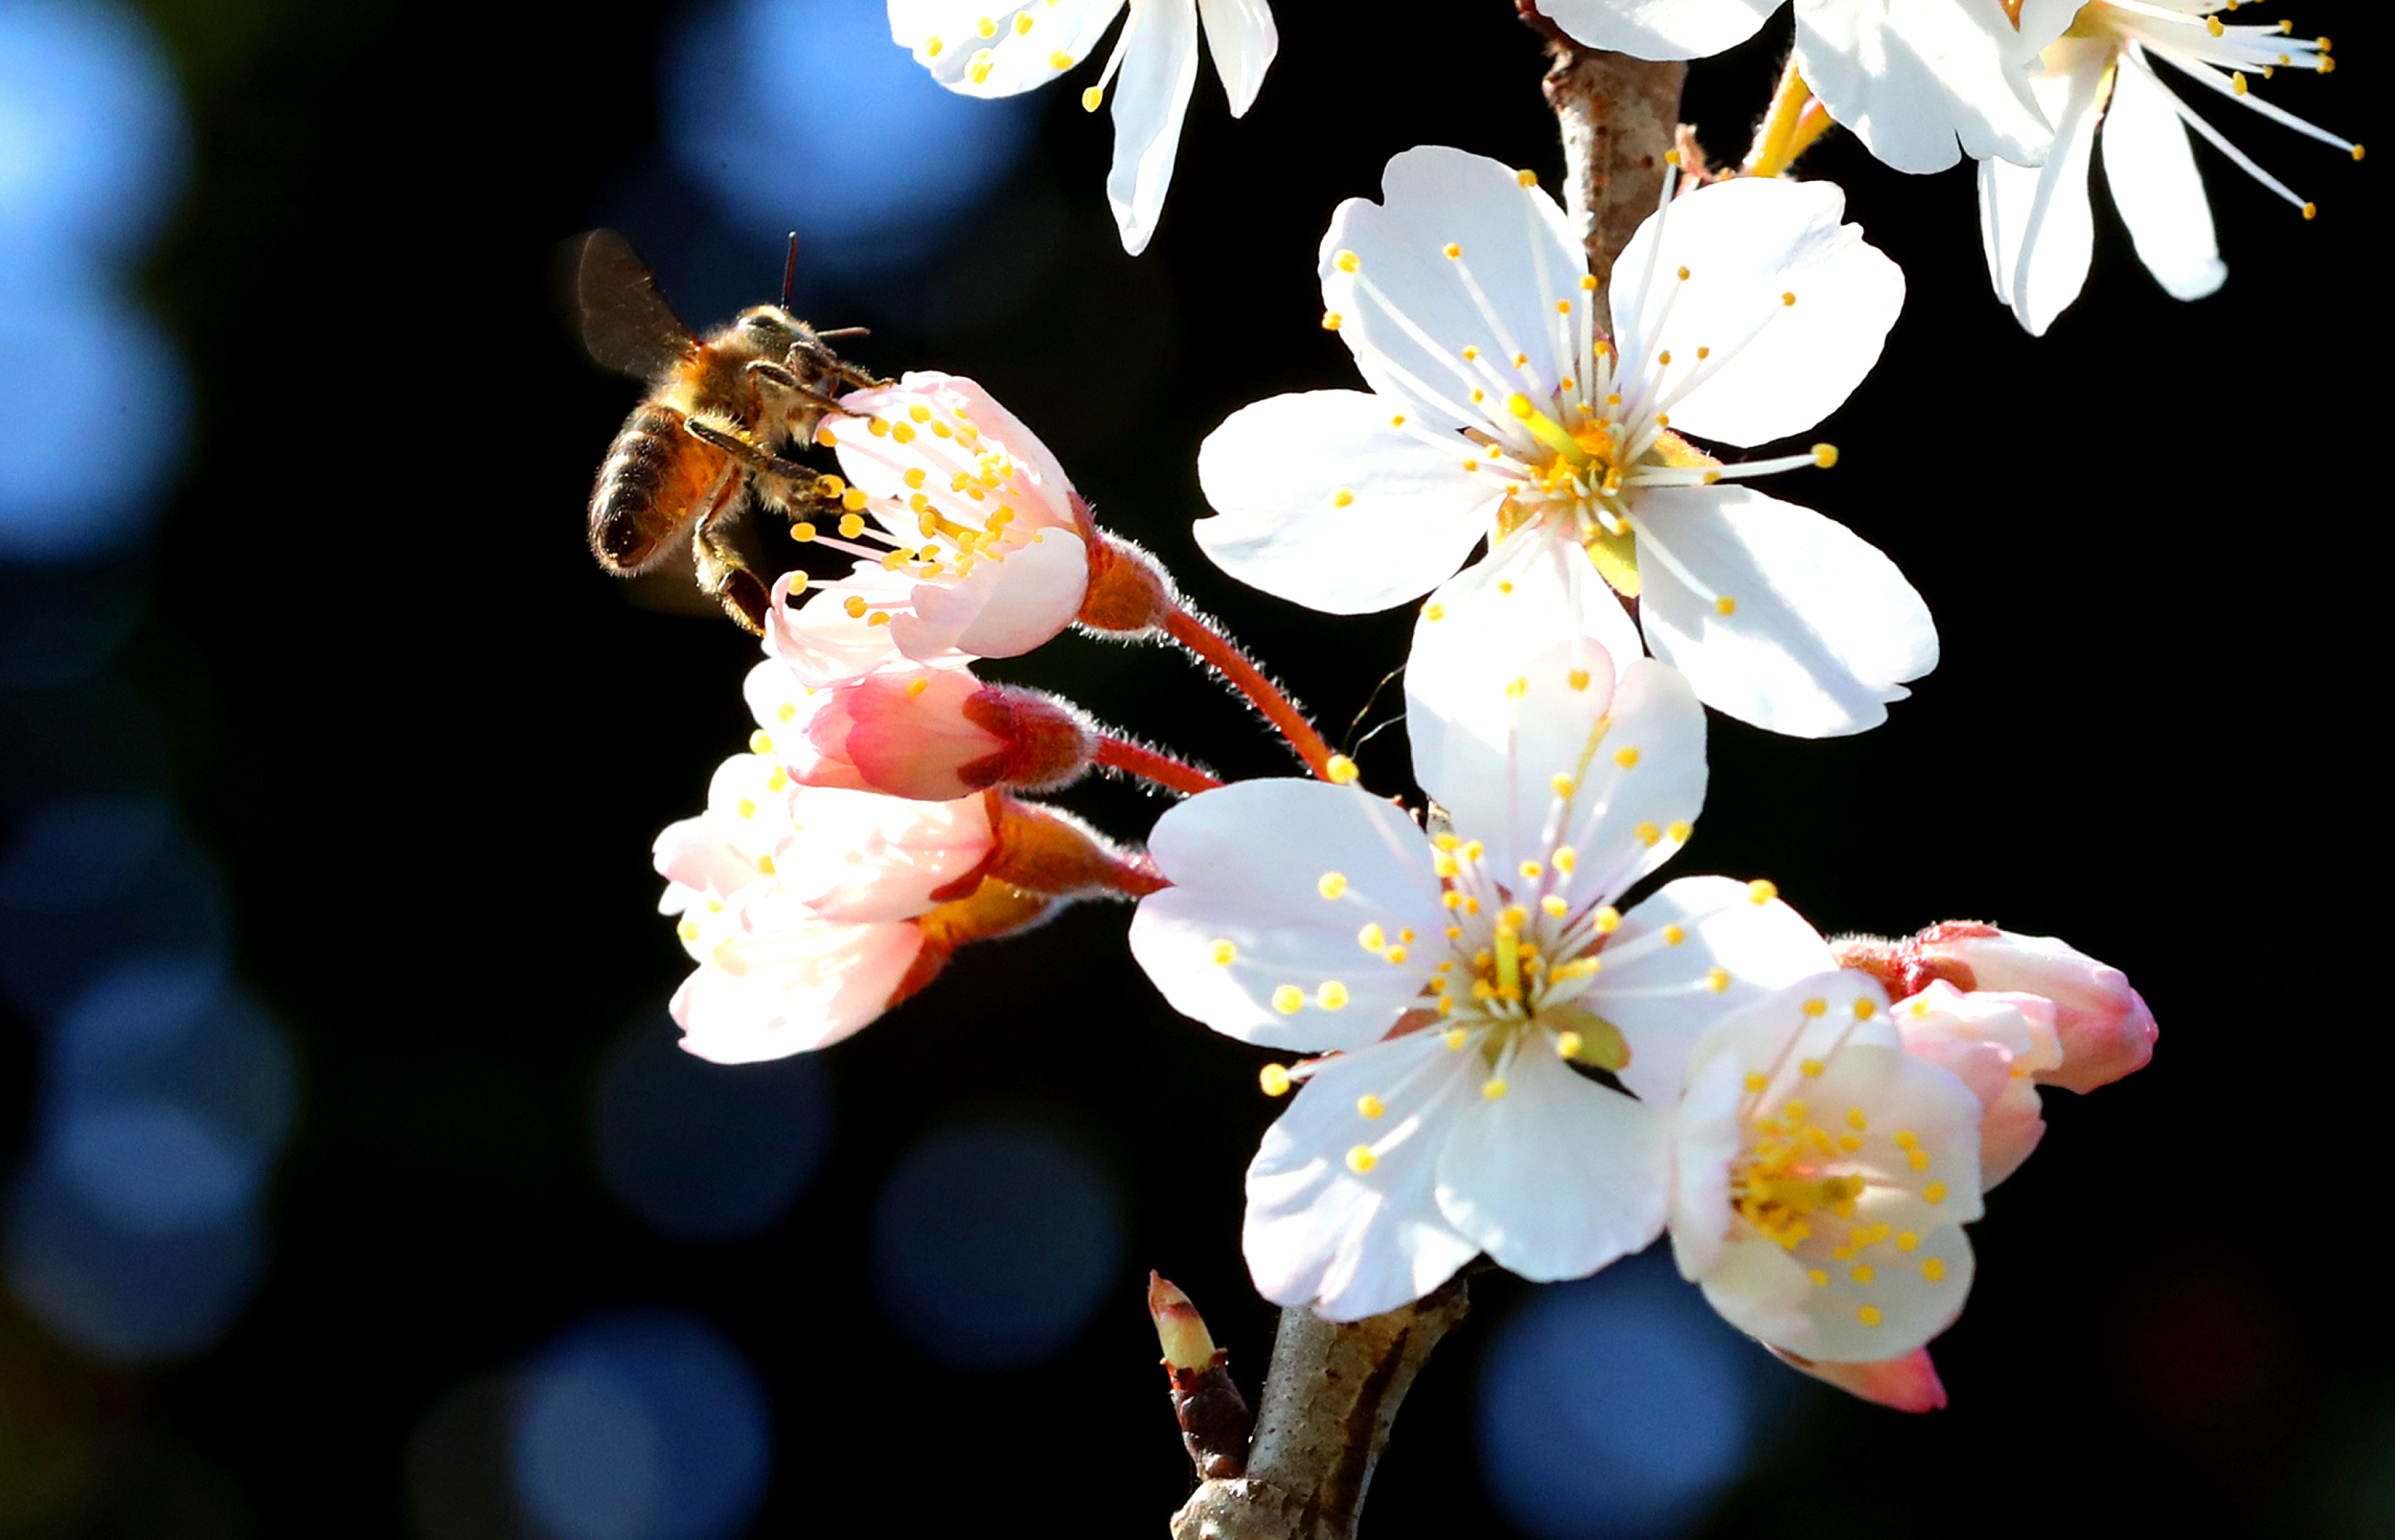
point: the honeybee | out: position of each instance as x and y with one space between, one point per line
706 439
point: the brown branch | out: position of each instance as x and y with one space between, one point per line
1328 1401
1618 116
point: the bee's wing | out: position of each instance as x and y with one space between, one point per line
627 323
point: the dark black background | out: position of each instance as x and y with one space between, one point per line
432 744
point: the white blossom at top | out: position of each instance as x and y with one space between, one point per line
963 525
987 50
1911 79
1463 978
1824 1177
2038 225
1501 409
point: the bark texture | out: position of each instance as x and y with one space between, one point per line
1618 117
1328 1401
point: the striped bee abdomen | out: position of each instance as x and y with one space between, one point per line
656 479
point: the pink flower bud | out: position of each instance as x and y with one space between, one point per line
2105 1029
1995 1043
1907 1384
933 734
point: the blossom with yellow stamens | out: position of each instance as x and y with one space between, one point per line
1467 1018
1504 408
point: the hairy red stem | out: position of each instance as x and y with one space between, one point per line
1148 765
1222 655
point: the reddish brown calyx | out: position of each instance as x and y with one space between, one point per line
1043 743
1048 851
1128 595
1214 1416
991 911
1907 966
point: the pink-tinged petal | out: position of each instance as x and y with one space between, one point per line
2151 169
1661 28
1662 994
1912 77
1159 51
1706 1144
1002 609
1321 501
1746 244
2038 223
1558 1176
1246 930
856 857
1242 40
905 736
2103 1026
770 996
1036 488
1354 1242
1906 1383
1530 591
821 643
1993 1042
945 38
1820 632
1514 242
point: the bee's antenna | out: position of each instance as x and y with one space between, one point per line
790 270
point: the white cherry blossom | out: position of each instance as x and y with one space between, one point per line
986 50
1824 1175
964 526
1913 80
1462 979
1996 1043
2038 225
1744 312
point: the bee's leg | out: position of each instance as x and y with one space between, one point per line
824 359
723 573
776 374
765 462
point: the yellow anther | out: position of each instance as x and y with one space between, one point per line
1626 756
1223 953
1562 307
1331 320
1674 935
1434 612
1562 785
1513 916
1918 1159
932 45
986 28
1346 262
1934 1192
1725 605
1810 1067
787 712
1361 1159
1855 1120
1821 1280
802 533
761 741
853 500
1789 298
1825 455
877 427
1341 769
1932 1269
1369 1105
1718 980
1863 1273
1274 1079
1493 1087
1906 1241
1553 905
1849 1143
1526 178
1342 498
852 525
1755 1080
853 606
1647 834
2212 25
1445 865
1332 884
1332 995
686 930
1393 954
1371 937
1060 60
1761 890
1397 422
1455 1039
2311 211
1289 1000
1865 1009
916 687
1679 831
1868 1315
1588 286
1578 679
746 807
1530 870
1568 1045
1093 97
2237 82
1452 250
1563 860
1606 920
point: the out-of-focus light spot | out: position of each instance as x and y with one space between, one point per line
94 406
1613 1406
124 1293
93 881
92 137
992 1243
642 1426
701 1151
803 115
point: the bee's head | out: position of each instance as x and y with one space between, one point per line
770 330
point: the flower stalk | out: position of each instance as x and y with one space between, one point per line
1223 656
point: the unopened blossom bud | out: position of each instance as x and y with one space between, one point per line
2103 1027
1995 1042
1049 851
1907 1384
933 734
1214 1416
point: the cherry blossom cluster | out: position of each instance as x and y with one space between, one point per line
1496 1034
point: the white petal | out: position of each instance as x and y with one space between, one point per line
790 991
1824 632
856 856
1530 591
2151 169
1624 815
1018 60
1151 97
1516 245
2037 224
1250 864
1241 37
1660 993
1559 1175
1661 28
819 643
1746 244
1911 77
1706 1143
1354 1244
1276 473
1001 609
